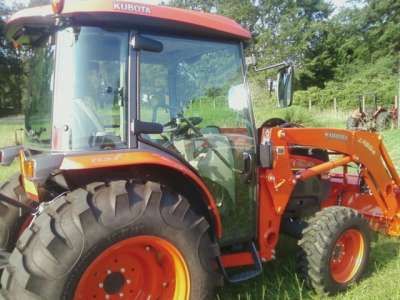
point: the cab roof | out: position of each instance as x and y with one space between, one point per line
131 15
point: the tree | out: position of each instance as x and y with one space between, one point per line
10 69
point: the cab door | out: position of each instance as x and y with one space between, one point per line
196 89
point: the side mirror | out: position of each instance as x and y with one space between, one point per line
140 42
285 86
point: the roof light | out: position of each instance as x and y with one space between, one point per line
57 6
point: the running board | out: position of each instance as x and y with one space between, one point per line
246 275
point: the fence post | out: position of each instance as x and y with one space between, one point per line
335 105
309 104
363 103
397 107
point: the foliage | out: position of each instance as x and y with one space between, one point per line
10 69
343 55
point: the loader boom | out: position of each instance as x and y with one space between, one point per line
363 148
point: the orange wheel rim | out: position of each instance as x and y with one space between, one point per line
143 267
347 256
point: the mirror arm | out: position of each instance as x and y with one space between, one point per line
279 65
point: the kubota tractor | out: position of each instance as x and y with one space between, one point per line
143 175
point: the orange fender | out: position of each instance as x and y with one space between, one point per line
106 160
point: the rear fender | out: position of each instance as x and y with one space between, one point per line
108 165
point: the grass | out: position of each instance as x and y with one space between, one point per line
8 126
278 280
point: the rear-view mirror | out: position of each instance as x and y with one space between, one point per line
285 86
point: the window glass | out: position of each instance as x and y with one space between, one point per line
196 89
89 110
38 97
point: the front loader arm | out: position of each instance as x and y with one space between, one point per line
364 148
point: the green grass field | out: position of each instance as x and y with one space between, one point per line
8 126
279 281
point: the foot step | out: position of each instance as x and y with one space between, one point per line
246 275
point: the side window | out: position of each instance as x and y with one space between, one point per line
212 87
38 94
155 102
90 106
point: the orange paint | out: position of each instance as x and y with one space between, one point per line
381 207
141 267
107 160
206 21
347 256
363 147
323 167
237 260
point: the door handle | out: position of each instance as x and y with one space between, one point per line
247 167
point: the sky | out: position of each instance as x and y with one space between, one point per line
337 3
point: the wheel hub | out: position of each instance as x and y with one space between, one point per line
143 267
114 283
347 255
338 252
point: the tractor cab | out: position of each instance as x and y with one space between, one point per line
113 78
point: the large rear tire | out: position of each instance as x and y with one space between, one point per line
352 123
334 249
383 121
11 217
117 241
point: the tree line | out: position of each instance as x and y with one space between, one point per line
340 55
12 71
337 54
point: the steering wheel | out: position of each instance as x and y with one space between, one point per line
180 126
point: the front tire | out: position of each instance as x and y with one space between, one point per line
124 240
334 249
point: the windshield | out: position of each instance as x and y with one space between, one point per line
39 93
90 89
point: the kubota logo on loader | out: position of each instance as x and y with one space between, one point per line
132 7
367 145
336 136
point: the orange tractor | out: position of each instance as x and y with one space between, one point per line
143 175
